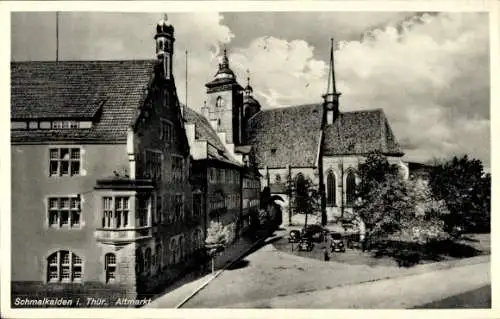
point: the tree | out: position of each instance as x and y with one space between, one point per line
466 189
390 205
386 208
305 195
218 237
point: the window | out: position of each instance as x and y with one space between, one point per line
350 188
147 260
110 267
139 261
219 102
211 174
115 212
64 161
64 266
142 210
330 189
153 164
165 131
300 184
177 169
64 124
64 212
179 207
197 205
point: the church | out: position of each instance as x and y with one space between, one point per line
317 141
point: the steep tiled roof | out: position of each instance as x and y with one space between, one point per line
205 132
290 136
360 132
286 136
77 89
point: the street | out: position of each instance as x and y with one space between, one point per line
268 278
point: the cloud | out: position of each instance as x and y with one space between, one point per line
430 74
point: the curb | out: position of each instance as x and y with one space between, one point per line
218 273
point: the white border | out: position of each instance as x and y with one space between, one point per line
186 6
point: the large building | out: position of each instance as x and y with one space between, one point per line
101 192
316 141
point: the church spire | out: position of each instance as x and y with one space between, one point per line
331 89
331 98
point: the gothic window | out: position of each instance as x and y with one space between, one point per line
350 188
330 189
300 184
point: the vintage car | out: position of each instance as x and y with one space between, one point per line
294 236
337 242
305 244
314 232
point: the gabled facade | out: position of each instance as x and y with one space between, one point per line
101 196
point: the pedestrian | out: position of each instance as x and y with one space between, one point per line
325 254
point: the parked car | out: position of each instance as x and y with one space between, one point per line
294 236
337 243
314 232
305 244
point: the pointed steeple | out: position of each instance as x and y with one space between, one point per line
331 98
331 89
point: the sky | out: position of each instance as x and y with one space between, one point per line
429 72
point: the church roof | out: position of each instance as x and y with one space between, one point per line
360 132
110 91
205 132
286 136
290 135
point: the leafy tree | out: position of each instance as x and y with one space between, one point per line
466 189
305 196
390 205
218 237
375 170
386 208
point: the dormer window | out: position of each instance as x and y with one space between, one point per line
273 151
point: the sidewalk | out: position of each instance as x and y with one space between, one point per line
178 295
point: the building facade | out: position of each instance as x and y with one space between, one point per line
321 143
101 149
